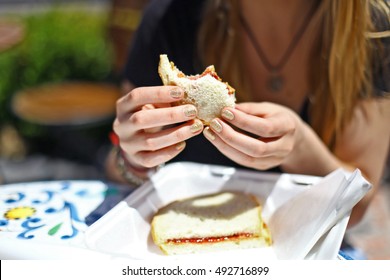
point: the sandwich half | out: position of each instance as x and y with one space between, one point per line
220 221
205 91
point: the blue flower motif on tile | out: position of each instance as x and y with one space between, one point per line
48 209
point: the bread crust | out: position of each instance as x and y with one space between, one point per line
205 91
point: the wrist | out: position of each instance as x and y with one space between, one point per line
310 155
127 171
299 151
137 169
132 174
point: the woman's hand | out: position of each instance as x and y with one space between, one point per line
146 125
265 134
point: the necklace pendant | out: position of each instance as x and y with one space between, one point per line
275 83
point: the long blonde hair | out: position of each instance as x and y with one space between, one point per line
343 62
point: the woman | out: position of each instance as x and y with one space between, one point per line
311 78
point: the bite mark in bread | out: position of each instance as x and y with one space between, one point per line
205 91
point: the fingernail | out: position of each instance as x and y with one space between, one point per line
215 125
190 111
175 93
180 146
208 133
196 126
228 115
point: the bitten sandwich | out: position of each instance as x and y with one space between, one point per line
205 91
220 221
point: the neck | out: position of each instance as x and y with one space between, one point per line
277 14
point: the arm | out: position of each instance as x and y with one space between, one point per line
280 138
364 144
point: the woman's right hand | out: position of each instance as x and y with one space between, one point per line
151 130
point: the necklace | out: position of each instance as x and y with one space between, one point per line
276 81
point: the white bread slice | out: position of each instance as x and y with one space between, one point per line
221 221
205 91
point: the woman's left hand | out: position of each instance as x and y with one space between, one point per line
264 134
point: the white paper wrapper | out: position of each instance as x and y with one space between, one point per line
307 215
298 224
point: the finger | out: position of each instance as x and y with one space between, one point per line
258 109
145 119
151 159
239 157
245 144
264 127
145 95
253 147
164 138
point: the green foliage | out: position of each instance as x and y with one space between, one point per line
59 45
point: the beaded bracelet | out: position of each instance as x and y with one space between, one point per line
125 169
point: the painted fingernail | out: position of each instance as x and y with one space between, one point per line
208 133
196 126
228 115
180 146
175 93
190 111
215 125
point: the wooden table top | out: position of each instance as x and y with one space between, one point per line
68 103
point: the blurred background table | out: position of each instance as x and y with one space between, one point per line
66 104
76 118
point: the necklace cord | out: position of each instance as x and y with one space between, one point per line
294 42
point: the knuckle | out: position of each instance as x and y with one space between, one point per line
244 125
179 135
119 129
150 144
120 101
120 107
132 95
228 138
147 163
287 148
172 116
268 128
115 126
262 164
136 119
172 151
252 161
137 159
292 127
161 93
258 150
143 160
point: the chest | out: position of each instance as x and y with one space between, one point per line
292 73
